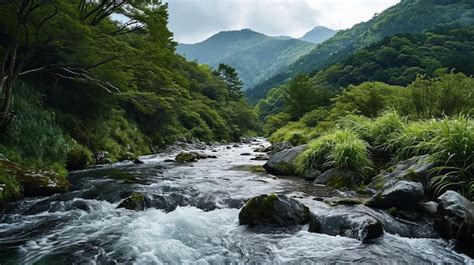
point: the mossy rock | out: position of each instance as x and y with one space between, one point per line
186 157
339 178
79 157
33 182
42 183
343 201
275 211
136 202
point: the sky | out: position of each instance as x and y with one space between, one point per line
193 21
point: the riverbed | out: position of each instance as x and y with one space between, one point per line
194 219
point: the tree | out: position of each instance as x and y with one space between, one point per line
300 96
23 42
232 80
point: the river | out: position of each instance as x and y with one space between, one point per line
197 222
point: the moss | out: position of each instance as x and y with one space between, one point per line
136 202
78 157
393 212
185 157
343 201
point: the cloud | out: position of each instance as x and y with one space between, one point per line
196 20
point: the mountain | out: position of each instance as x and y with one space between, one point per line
408 16
255 56
318 34
396 60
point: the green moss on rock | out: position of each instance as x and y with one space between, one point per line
274 210
186 157
134 202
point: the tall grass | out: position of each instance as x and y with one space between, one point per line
452 149
34 137
338 149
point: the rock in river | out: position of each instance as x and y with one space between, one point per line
403 195
344 222
186 157
134 202
338 178
413 169
455 217
284 162
274 210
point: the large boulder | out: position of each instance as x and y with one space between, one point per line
403 195
363 223
42 183
284 162
455 217
349 224
279 147
136 202
274 210
338 178
414 169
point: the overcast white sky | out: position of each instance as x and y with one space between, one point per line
195 20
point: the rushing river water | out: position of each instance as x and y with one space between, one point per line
197 222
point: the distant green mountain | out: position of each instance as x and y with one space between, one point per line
318 35
408 16
255 56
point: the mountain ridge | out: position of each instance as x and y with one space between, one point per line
254 55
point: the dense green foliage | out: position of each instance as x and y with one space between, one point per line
407 17
424 98
35 137
255 56
108 88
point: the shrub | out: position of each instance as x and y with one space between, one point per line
339 149
78 157
284 134
314 117
117 135
10 189
34 138
276 121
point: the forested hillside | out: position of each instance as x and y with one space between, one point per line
396 60
255 56
408 16
74 82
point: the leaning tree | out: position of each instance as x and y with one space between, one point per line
22 39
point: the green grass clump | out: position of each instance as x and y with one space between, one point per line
452 150
407 142
338 149
356 123
383 128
